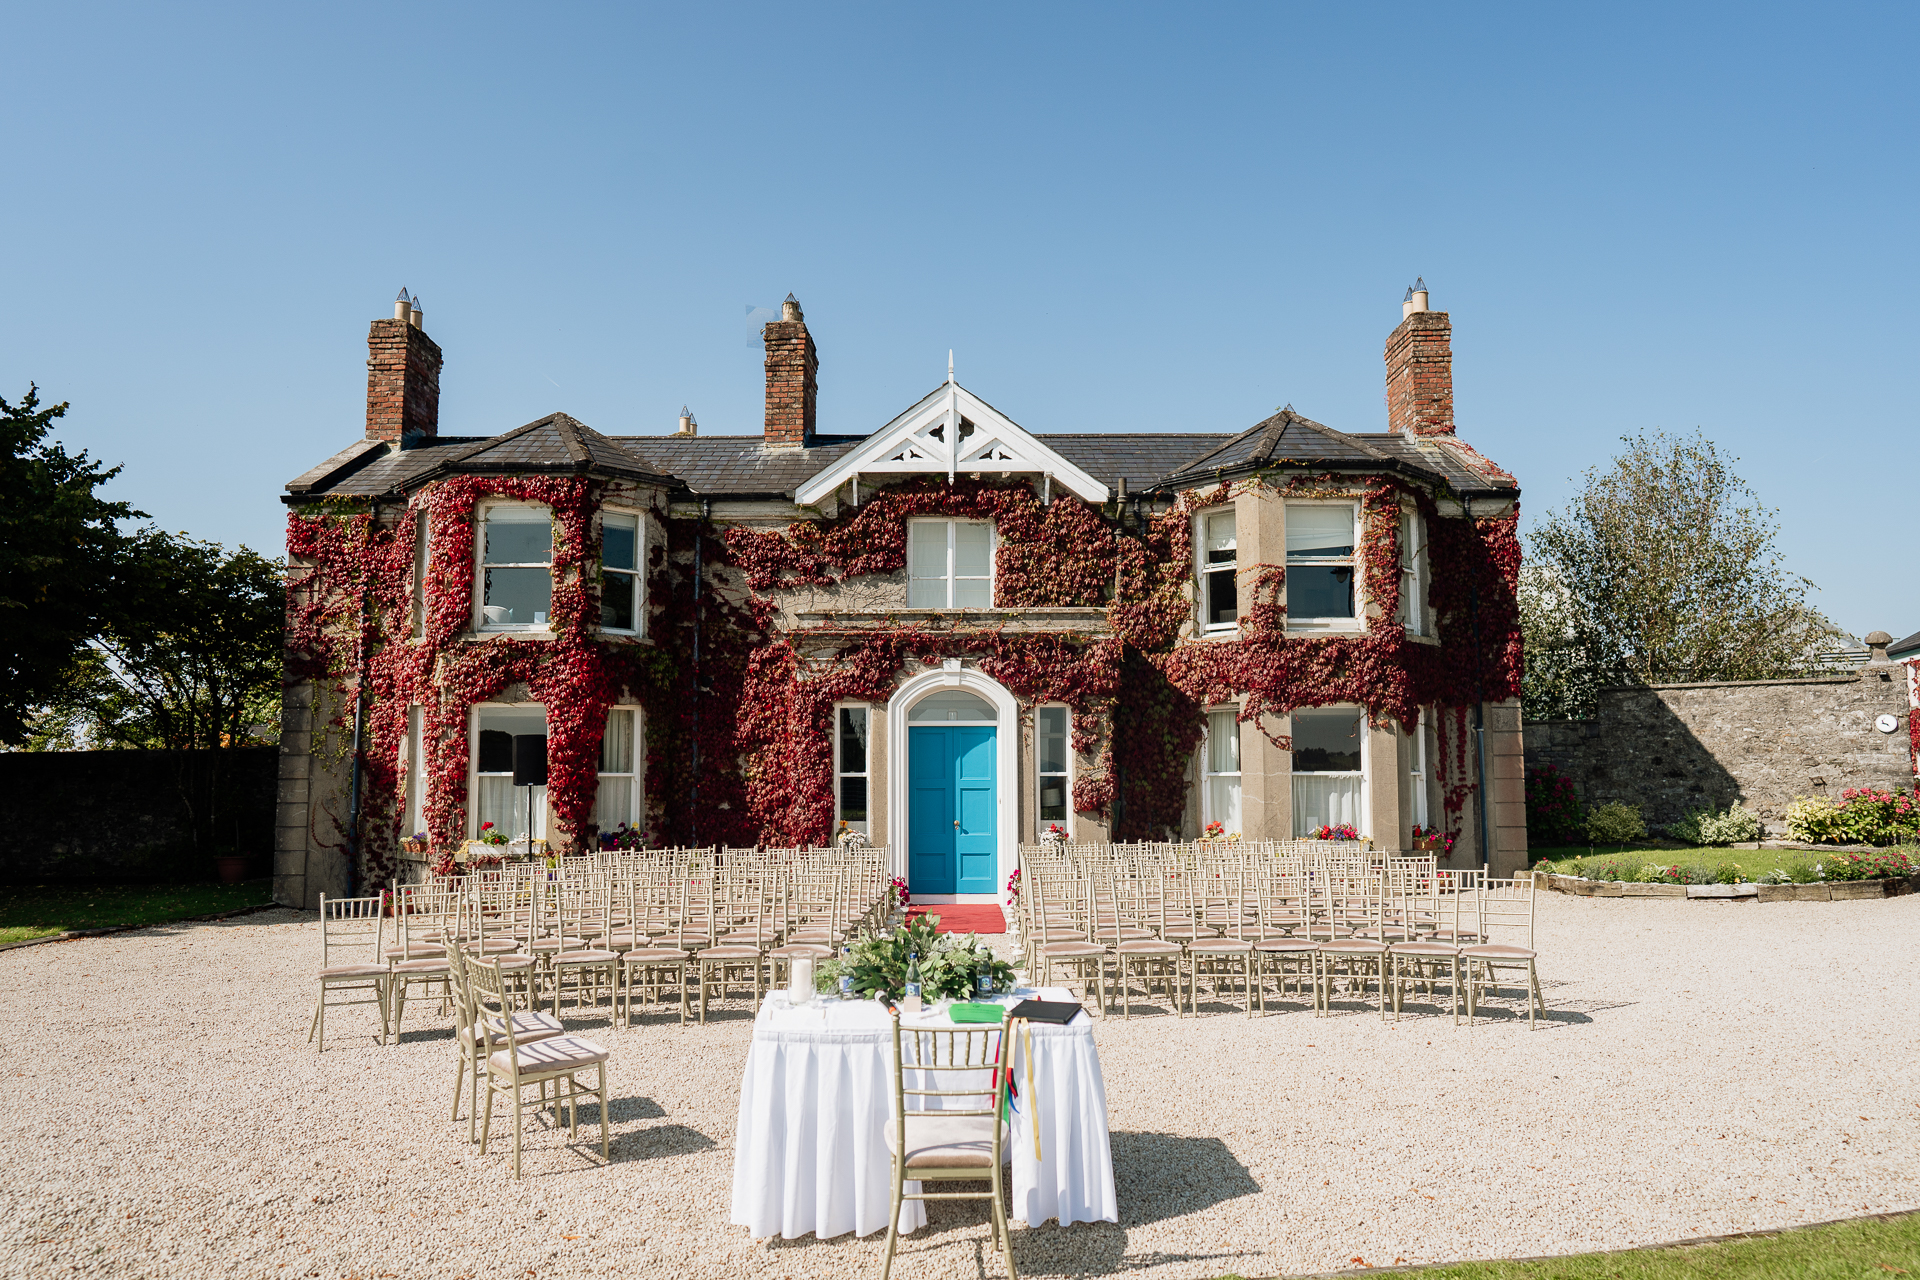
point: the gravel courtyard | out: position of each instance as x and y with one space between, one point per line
1706 1068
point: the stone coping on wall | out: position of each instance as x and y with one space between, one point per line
1824 891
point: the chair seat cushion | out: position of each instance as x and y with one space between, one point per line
416 951
935 1141
806 950
1219 946
1353 946
526 1027
355 971
416 968
1070 950
1496 951
730 953
654 955
1274 946
1148 947
550 1057
1423 949
494 947
586 957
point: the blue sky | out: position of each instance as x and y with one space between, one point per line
1121 218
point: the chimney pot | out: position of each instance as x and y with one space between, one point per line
416 315
402 306
1877 642
790 310
688 427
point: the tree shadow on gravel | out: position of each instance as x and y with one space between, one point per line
658 1142
623 1109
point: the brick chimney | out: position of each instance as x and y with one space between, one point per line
792 385
1420 369
403 378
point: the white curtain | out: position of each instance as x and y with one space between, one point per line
505 806
1325 800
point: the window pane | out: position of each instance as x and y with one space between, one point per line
616 601
853 739
1223 802
496 752
1053 799
1053 739
416 774
972 593
972 550
616 748
619 542
1221 544
952 705
927 593
1319 591
505 806
1223 599
927 548
1326 741
613 803
1223 743
1314 529
853 799
518 596
1325 802
519 538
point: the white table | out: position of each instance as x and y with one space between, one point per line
809 1151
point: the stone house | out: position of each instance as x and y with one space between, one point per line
949 631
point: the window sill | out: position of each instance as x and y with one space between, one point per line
1049 618
535 632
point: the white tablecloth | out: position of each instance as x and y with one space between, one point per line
809 1151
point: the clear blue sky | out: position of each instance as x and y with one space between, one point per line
1122 218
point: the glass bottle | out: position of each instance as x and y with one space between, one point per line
912 1001
983 979
846 973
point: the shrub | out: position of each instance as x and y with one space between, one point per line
1705 827
1653 873
1864 815
1615 824
1878 865
1554 812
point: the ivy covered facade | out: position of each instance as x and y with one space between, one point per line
949 633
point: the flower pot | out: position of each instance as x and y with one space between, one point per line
232 868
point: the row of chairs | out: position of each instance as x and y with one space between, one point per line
1251 923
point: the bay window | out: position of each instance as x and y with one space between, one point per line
616 801
851 767
1329 773
1220 795
495 798
949 564
1320 572
1053 783
620 572
1220 606
516 568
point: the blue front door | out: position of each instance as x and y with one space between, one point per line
951 815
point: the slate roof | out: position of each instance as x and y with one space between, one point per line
1902 649
743 467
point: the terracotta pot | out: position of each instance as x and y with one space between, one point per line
232 868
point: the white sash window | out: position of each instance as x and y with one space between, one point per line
1329 769
949 564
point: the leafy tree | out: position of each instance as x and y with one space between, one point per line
1662 570
190 658
60 548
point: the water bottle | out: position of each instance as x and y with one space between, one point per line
846 973
912 1001
983 979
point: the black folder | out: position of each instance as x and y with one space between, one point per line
1057 1011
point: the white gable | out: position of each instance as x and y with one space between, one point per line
950 432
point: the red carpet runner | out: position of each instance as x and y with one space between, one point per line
964 919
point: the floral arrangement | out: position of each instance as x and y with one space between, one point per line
898 887
1013 887
1431 835
1054 834
848 838
949 963
1213 831
625 837
1345 831
490 834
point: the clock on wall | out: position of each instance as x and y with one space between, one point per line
1886 724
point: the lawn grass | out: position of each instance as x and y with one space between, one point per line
41 910
1709 865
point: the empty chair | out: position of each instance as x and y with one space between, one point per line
351 962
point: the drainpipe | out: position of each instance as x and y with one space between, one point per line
359 724
1479 714
693 786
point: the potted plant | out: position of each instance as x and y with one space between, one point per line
1055 834
415 844
847 838
488 844
230 864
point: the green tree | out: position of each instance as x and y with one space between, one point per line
60 551
1662 570
190 660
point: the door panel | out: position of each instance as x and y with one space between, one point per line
974 760
930 831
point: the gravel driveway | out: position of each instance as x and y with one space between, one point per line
1706 1068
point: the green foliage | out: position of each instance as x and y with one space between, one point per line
1555 814
1881 864
1705 826
1867 815
948 962
189 658
1662 570
1615 824
60 557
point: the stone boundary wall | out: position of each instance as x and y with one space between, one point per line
130 817
1671 748
1825 891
